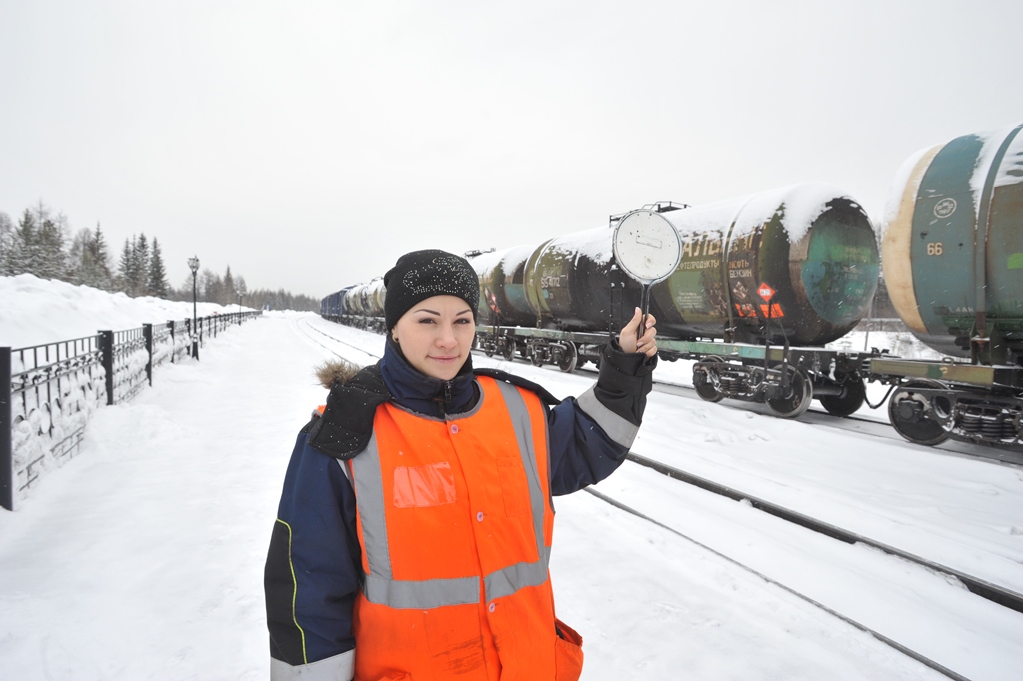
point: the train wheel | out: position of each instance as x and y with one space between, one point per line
508 351
910 413
569 358
705 381
854 393
535 356
798 397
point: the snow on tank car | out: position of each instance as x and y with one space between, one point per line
797 264
570 283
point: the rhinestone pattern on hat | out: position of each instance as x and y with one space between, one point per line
444 275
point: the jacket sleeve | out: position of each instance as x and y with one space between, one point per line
313 569
590 435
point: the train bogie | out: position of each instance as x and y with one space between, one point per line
934 403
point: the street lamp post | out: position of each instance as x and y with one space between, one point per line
193 264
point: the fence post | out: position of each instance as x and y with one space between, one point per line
6 453
147 333
106 346
173 346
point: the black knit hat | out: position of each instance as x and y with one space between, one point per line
423 274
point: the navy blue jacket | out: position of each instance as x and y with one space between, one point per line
314 565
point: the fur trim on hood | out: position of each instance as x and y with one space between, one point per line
338 371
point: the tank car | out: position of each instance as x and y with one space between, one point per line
502 296
810 246
502 291
365 303
795 267
570 281
554 303
953 264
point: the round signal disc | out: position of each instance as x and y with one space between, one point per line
646 246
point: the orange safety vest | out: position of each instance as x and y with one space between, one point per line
455 522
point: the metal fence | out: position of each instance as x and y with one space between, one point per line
48 392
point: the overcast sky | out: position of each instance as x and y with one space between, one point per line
307 144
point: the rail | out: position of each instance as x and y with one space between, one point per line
992 592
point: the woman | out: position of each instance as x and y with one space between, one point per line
415 526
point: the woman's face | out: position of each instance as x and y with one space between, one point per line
436 335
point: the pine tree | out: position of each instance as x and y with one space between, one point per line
6 243
210 285
157 285
141 264
133 269
227 294
51 260
124 269
23 257
78 257
88 262
104 279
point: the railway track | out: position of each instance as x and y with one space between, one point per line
316 335
856 424
891 642
983 588
805 574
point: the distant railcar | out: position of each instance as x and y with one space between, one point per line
502 287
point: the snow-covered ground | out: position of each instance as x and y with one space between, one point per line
142 557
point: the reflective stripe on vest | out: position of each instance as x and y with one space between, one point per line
380 587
